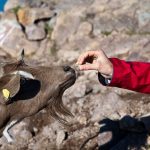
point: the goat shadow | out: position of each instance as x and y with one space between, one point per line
28 89
122 139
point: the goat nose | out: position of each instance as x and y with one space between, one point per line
66 68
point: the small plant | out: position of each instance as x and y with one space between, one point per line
106 32
48 29
16 9
132 32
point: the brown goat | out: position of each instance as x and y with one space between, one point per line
32 89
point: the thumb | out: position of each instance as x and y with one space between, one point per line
88 67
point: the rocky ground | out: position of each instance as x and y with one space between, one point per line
57 32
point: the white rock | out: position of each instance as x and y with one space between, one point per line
84 29
35 33
12 39
66 25
60 137
66 55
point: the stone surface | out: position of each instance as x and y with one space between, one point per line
66 25
60 137
21 132
28 16
85 28
69 56
121 28
143 20
11 4
11 33
105 109
34 32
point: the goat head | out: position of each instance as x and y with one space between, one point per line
32 88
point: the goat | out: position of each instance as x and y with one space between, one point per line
32 88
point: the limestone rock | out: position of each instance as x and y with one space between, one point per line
104 107
66 25
12 39
34 32
60 137
120 28
28 16
85 28
69 56
9 15
11 4
144 21
79 89
21 132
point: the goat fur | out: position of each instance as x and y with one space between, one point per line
29 94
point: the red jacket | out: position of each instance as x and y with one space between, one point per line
130 75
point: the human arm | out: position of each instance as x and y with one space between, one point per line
131 75
128 75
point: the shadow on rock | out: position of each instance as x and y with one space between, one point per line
125 134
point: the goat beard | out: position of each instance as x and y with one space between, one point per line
56 107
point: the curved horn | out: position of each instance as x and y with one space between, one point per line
22 55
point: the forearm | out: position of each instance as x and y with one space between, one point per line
130 75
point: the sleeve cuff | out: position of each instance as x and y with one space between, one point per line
104 81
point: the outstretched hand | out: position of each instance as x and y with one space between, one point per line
96 60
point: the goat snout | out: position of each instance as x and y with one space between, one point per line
67 68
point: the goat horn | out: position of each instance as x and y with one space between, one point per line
22 55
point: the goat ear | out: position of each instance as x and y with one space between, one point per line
10 83
21 59
22 54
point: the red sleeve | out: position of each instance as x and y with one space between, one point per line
131 75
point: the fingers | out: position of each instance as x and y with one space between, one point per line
88 67
81 58
85 55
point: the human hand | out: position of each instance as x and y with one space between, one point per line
96 60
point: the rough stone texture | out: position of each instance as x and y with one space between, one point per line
121 28
35 33
15 3
84 29
27 16
109 105
66 25
12 39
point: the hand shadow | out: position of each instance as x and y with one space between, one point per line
123 134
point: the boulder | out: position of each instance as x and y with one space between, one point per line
12 39
66 25
34 32
143 21
66 55
27 16
85 28
110 105
12 4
